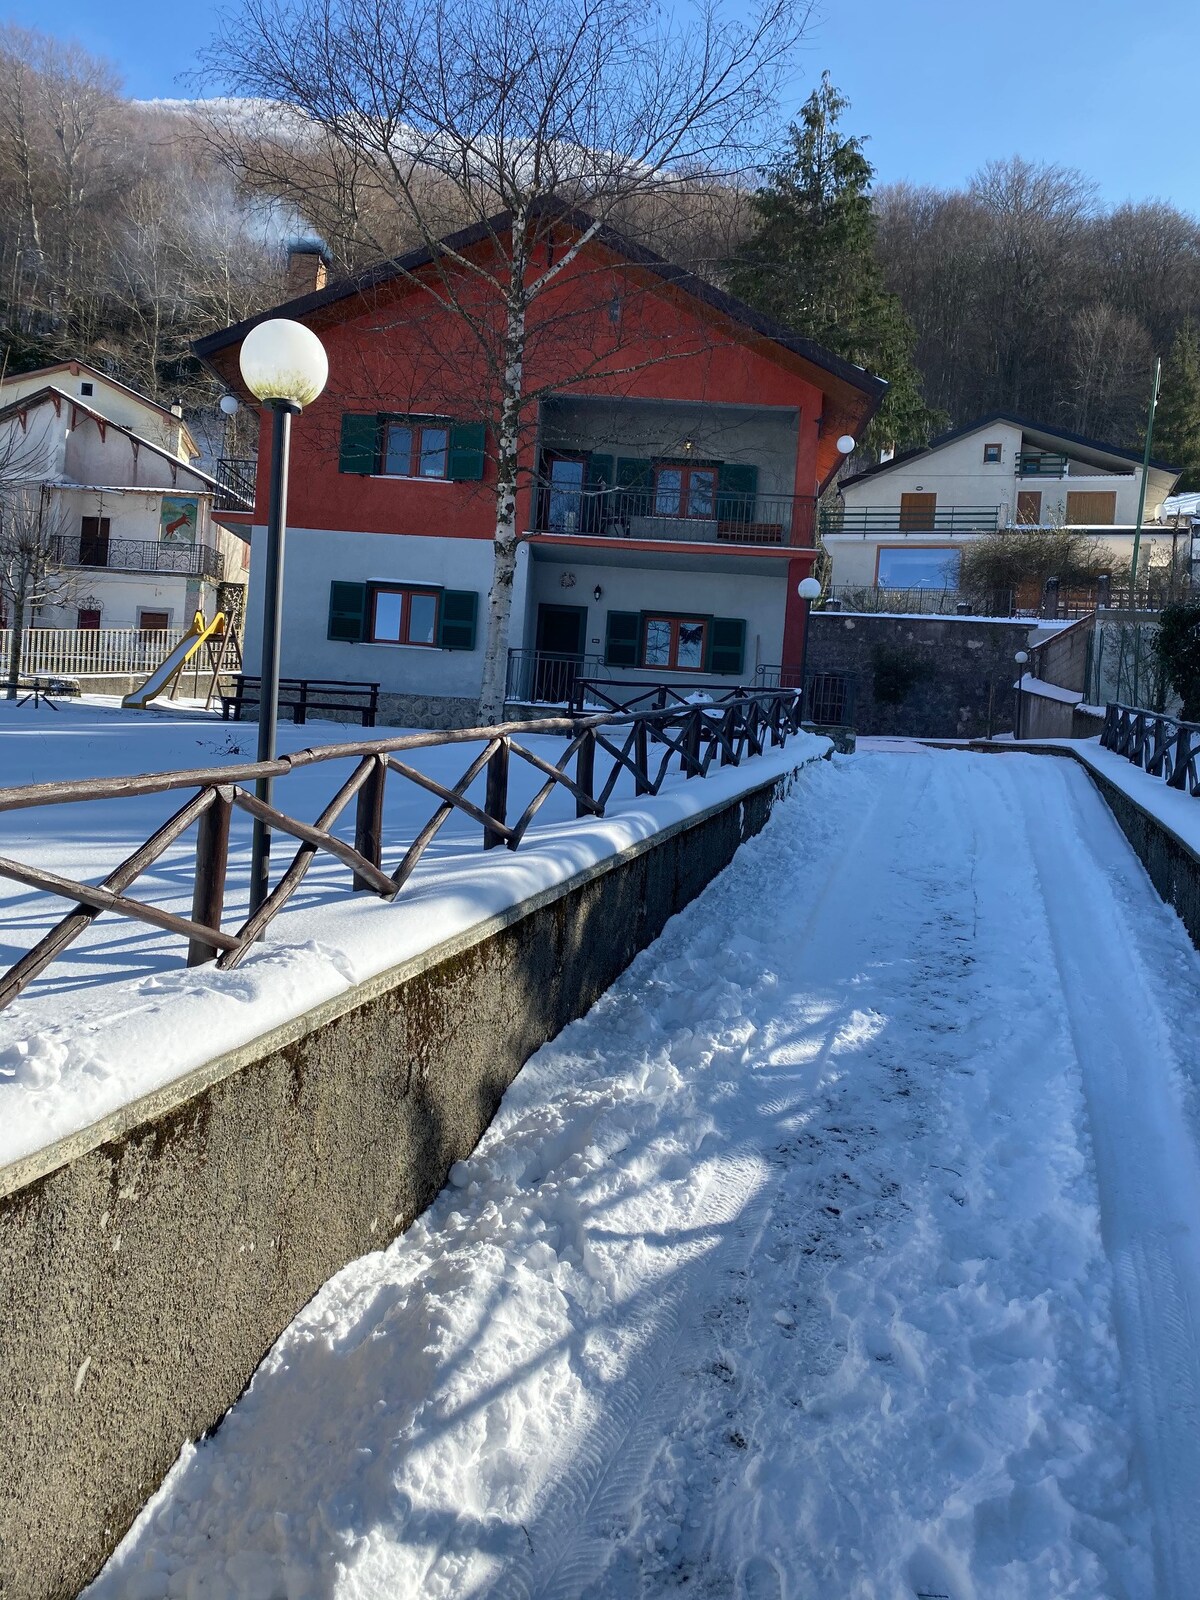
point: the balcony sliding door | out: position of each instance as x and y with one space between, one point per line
93 542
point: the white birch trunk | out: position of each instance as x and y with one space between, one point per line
505 539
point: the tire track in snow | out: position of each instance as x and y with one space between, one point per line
1147 1168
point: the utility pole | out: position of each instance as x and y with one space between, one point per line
1137 532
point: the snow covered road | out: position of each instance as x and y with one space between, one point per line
848 1248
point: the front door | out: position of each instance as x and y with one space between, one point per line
561 631
1029 508
918 513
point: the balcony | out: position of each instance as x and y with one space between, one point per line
1041 464
236 479
909 519
729 518
137 555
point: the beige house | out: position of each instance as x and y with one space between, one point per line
129 513
904 523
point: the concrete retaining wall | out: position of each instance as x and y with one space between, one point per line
147 1264
925 677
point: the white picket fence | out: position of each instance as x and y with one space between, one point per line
89 652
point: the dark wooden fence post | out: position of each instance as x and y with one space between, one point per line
585 773
496 795
690 760
729 732
212 862
368 821
641 757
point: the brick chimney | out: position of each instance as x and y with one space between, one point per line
307 268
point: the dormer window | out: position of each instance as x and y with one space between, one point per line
992 454
87 388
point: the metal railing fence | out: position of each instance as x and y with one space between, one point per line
89 652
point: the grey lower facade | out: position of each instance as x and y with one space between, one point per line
148 1263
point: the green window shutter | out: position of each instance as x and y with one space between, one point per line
636 478
348 612
598 502
737 485
634 474
456 630
360 442
726 644
600 472
622 638
467 440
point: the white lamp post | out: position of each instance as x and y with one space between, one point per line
809 589
1021 658
284 365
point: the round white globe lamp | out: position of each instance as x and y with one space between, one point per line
846 444
285 366
283 360
229 404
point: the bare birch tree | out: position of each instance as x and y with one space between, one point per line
457 113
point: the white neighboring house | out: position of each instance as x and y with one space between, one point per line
134 536
904 523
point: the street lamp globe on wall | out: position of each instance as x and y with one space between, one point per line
1021 658
846 444
809 589
285 366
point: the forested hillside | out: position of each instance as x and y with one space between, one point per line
127 229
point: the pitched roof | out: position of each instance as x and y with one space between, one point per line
677 277
1058 435
49 393
74 365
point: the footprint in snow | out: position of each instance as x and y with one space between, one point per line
759 1579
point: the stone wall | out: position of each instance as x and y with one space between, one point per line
928 677
148 1263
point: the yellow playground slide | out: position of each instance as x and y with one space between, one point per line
169 668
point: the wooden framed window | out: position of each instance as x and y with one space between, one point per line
93 541
685 491
414 449
676 643
992 454
87 617
404 616
155 620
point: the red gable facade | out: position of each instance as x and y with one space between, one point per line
671 449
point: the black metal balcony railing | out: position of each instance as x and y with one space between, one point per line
236 479
906 519
1041 464
543 678
643 513
138 555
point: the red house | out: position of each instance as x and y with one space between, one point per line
672 448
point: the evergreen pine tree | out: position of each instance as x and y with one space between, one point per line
811 264
1177 419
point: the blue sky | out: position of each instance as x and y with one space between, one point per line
939 85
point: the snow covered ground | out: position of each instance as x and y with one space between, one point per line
847 1248
118 1015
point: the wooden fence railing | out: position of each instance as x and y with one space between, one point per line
1163 746
642 743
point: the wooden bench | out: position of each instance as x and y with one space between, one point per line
302 695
